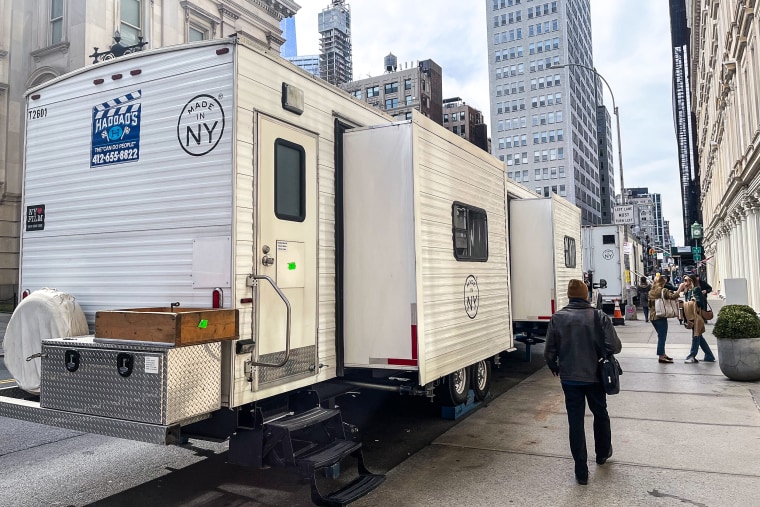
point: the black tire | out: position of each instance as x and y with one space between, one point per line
480 379
454 388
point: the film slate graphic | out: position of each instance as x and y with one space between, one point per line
116 131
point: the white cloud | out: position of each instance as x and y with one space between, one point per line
631 41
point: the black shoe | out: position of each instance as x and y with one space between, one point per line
602 461
582 479
581 474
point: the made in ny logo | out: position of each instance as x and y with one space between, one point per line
471 296
200 125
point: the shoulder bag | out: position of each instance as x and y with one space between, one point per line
708 313
609 368
665 308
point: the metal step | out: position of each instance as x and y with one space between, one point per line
347 494
326 456
305 419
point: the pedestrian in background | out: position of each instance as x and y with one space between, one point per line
700 282
660 324
696 301
643 288
574 335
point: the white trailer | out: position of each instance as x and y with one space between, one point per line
427 284
604 258
545 250
213 174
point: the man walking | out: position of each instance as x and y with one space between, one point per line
574 341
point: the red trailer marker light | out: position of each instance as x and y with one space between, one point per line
217 298
25 293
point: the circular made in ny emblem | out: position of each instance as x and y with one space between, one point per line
471 296
608 254
200 125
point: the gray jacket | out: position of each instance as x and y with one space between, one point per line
570 341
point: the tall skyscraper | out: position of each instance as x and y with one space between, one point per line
606 163
290 47
335 65
543 118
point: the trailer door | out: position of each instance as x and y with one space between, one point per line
287 253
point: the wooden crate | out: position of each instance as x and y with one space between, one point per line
180 326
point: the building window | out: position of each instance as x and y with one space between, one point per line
391 87
408 100
391 103
131 21
289 181
446 118
357 94
56 21
196 34
570 255
470 231
373 91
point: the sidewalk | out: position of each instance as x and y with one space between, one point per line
682 434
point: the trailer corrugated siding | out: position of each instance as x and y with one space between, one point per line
121 234
567 222
449 338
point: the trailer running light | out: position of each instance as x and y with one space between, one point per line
98 81
554 307
135 72
116 76
222 51
25 293
35 96
217 298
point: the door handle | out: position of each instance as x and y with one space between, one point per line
267 260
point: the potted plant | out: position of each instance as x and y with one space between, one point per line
738 332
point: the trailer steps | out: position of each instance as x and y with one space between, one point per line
313 441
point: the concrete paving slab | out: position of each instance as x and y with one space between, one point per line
443 475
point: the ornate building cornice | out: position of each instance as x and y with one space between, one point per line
61 47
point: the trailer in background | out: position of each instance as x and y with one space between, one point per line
545 251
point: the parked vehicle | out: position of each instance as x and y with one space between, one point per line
604 258
544 233
337 247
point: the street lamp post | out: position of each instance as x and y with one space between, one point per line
629 298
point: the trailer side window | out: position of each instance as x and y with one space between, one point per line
608 239
470 232
289 181
569 252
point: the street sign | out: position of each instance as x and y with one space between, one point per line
623 215
696 250
697 257
627 248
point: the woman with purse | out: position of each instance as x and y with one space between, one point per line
660 323
694 293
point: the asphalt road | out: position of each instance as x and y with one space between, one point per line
43 465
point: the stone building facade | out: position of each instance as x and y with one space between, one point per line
724 70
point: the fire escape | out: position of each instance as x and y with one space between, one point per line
688 163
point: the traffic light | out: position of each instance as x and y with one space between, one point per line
651 251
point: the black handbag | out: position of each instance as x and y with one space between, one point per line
609 367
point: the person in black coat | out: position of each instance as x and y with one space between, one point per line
574 338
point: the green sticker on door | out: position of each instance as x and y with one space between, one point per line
291 266
203 324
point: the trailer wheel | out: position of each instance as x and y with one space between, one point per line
481 379
455 387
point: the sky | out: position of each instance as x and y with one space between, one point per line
631 45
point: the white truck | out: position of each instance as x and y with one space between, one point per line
605 249
545 250
216 175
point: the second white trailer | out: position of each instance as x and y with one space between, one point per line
545 236
426 281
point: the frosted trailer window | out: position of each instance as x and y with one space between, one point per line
289 181
470 233
569 252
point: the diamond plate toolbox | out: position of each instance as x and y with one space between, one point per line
130 381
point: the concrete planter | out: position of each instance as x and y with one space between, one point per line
739 358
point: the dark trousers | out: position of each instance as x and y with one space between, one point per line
575 403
